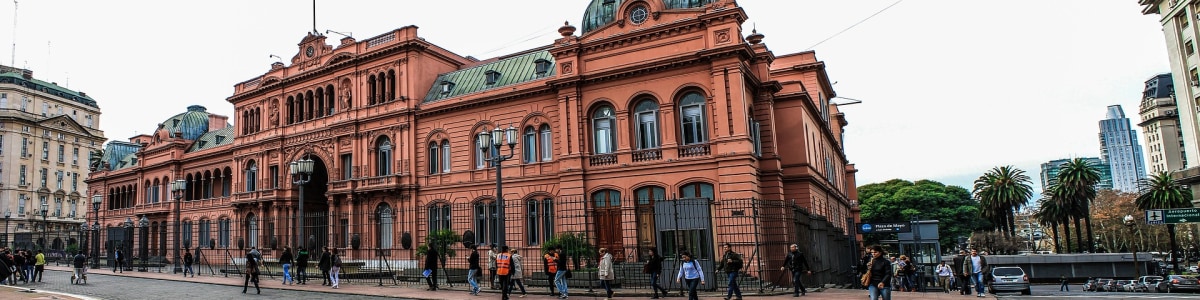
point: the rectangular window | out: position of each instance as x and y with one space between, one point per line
1189 48
205 233
647 131
1 144
1183 20
21 205
24 147
480 158
3 100
529 146
58 206
22 179
445 156
434 165
73 210
74 182
223 233
347 167
693 125
75 157
45 150
59 179
61 153
274 176
547 144
44 175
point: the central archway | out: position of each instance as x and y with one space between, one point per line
316 205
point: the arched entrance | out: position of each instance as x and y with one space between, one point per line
316 206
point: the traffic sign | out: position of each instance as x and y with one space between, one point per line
1173 216
866 228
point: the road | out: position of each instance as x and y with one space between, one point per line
103 286
1042 292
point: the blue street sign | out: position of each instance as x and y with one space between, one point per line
896 227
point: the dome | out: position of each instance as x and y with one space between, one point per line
190 124
602 12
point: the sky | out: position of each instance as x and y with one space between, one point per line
949 88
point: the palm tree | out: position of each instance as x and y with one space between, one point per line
1162 192
1077 180
1050 214
1003 190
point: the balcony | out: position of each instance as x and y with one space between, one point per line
694 150
647 155
602 160
381 183
342 187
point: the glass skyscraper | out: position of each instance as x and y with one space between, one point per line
1050 172
1119 148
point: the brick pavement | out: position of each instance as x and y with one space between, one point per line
415 292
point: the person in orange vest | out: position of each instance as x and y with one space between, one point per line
504 270
550 265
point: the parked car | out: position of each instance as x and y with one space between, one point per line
1009 279
1177 283
1193 269
1147 282
1122 285
1104 285
1089 286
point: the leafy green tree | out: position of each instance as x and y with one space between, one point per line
1162 192
1001 191
574 245
1077 185
441 239
899 200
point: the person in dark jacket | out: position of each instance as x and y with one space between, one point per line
431 265
285 260
187 264
473 270
251 273
560 278
654 268
117 258
324 265
79 262
302 265
880 267
551 268
796 262
731 264
964 284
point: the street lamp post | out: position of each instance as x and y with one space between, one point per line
144 227
45 224
301 171
7 216
490 142
1129 222
177 190
96 199
83 231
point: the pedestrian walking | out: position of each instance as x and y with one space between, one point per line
691 274
904 272
39 265
550 267
964 285
302 266
731 263
335 267
1063 286
491 264
117 258
285 260
324 265
518 272
504 265
473 270
880 282
796 262
79 263
19 261
560 277
974 267
187 264
653 267
30 260
252 272
944 272
606 273
431 267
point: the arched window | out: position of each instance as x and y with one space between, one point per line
547 143
329 99
291 113
391 85
446 156
320 102
646 114
251 176
604 134
691 119
439 216
485 222
385 218
697 190
309 108
383 155
434 161
529 145
531 226
481 158
251 231
607 198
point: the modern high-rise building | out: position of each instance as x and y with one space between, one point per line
46 134
1120 149
1177 17
1050 172
1160 126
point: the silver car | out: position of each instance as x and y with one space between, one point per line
1009 279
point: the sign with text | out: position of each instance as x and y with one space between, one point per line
1172 216
868 228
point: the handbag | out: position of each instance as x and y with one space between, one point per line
866 278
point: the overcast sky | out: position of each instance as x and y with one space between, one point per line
950 89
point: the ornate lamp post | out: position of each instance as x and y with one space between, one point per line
1129 222
144 226
83 231
7 216
490 143
96 199
177 190
301 171
45 224
128 225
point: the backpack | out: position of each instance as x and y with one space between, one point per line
337 261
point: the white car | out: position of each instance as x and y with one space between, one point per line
1193 269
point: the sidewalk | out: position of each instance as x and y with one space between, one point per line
458 291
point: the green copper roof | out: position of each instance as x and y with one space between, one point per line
512 70
118 154
46 87
602 12
190 124
213 139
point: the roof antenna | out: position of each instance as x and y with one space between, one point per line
314 17
14 35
